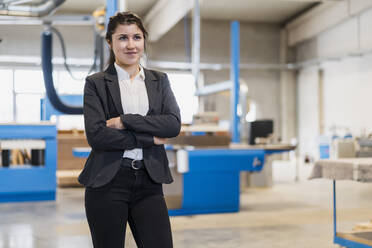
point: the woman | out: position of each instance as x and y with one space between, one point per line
129 112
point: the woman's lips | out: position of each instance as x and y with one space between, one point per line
131 53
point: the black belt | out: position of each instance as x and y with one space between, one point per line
134 164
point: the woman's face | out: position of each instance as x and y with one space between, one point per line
127 44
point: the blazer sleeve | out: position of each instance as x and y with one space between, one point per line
101 137
165 125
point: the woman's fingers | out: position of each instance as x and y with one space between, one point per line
160 141
115 123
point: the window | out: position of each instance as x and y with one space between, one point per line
28 108
183 87
25 88
29 89
6 96
70 86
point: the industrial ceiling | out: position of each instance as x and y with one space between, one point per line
268 11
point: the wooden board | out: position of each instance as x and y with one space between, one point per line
204 140
360 237
363 226
68 178
173 201
67 141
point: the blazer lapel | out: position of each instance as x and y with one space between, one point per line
152 89
113 85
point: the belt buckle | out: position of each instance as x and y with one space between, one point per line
133 163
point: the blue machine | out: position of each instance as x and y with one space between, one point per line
212 183
47 109
30 183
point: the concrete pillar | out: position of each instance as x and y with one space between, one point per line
288 89
321 102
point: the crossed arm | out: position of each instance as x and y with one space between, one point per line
118 124
131 130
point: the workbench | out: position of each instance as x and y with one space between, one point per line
356 169
211 176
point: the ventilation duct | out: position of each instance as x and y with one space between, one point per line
46 62
39 10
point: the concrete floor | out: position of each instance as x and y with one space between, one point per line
289 214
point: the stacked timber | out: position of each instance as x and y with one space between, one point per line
68 166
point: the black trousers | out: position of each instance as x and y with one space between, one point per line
133 197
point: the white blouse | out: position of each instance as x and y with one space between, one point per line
134 100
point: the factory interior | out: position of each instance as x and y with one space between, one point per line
275 146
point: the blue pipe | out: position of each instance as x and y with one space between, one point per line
46 63
234 76
111 9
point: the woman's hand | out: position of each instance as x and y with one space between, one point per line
115 123
159 141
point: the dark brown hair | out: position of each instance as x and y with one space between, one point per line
123 18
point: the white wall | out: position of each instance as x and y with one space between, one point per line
347 81
347 101
347 94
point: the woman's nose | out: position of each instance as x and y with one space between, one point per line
130 43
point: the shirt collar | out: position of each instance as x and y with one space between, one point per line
124 75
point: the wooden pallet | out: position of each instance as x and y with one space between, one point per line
68 178
362 237
365 226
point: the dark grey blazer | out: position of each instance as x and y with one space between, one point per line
102 101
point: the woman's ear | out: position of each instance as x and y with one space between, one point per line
109 43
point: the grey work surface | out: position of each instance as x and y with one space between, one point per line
357 169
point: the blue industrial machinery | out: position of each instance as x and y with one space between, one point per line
47 109
26 182
212 183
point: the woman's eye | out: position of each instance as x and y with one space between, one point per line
122 38
137 37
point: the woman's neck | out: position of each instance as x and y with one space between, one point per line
132 70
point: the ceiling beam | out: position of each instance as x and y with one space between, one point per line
164 15
313 1
323 17
317 20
